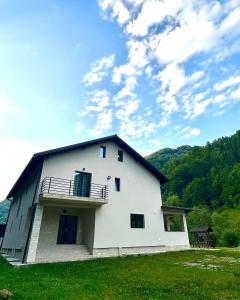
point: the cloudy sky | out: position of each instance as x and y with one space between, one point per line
158 73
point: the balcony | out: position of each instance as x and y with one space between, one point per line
58 191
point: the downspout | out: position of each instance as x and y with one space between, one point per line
32 219
7 221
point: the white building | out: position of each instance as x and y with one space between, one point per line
94 199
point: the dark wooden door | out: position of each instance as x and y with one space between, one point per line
67 231
82 184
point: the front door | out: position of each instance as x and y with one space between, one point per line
82 184
67 231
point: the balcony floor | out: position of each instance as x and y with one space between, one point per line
71 201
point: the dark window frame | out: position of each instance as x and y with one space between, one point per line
117 184
137 221
120 155
102 151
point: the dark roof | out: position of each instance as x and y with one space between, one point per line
38 158
201 229
174 208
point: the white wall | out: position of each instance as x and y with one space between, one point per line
140 194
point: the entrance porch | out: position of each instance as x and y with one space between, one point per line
66 234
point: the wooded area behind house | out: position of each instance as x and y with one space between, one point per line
208 179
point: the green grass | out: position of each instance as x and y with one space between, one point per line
175 275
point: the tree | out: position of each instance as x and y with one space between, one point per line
173 200
200 216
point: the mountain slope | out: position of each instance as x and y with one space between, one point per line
207 175
162 156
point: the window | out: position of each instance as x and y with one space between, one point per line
19 204
120 155
173 222
102 151
117 184
137 221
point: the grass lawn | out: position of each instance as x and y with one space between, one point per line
175 275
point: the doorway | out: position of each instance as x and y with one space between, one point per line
82 184
67 230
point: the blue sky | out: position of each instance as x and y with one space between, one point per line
158 73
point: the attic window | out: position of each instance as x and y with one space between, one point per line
120 155
102 151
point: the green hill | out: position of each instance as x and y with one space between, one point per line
207 175
161 157
208 179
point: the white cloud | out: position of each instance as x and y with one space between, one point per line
118 10
137 127
126 109
127 90
188 132
161 38
172 78
235 94
152 12
99 70
104 122
195 76
227 83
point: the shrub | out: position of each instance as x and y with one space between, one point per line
230 239
214 239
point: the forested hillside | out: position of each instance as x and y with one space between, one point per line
207 179
161 157
208 175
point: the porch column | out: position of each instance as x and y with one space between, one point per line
33 243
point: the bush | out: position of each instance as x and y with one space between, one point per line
230 239
214 239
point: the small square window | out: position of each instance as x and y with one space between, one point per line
117 184
102 151
120 155
137 221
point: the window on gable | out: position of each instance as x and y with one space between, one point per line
117 184
102 151
120 155
137 221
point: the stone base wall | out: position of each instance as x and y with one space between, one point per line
125 251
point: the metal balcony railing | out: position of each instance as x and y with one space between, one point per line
59 186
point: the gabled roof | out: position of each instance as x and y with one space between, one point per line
38 158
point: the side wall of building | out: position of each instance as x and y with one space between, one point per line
19 218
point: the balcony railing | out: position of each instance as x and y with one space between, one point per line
65 187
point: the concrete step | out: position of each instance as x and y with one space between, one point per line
60 253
